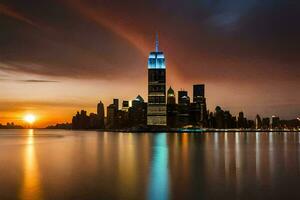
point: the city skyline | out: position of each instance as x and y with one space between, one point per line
46 72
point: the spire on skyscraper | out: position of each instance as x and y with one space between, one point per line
156 42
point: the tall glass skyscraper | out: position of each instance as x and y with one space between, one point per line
156 110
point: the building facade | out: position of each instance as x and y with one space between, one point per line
156 109
198 110
171 109
100 113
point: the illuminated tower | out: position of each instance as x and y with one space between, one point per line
156 110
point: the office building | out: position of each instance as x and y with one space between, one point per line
171 96
125 106
156 109
138 112
100 114
183 116
116 103
198 93
171 109
183 98
198 112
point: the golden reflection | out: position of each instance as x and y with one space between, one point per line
226 157
31 187
257 155
185 155
145 150
238 160
216 150
271 154
128 172
285 150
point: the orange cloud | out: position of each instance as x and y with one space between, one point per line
101 17
122 27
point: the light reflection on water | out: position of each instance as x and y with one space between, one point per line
159 175
96 165
31 187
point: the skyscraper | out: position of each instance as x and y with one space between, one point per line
171 96
171 108
183 109
241 120
116 103
125 106
100 114
183 98
258 122
156 109
138 112
199 105
198 93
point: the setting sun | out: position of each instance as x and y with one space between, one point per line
30 118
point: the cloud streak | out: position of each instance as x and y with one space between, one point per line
37 81
7 11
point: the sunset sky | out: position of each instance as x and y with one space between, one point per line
60 56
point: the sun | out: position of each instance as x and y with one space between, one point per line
30 118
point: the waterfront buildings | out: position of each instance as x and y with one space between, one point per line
138 113
162 110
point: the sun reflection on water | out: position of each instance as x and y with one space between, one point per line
30 189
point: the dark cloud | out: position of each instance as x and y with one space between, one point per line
71 47
38 81
5 10
97 39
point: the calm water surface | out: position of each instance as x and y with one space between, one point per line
57 164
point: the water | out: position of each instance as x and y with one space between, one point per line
57 164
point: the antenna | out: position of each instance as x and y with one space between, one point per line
156 42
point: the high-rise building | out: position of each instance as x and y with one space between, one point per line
258 122
183 97
198 93
125 106
137 101
81 120
156 109
198 107
100 109
275 121
171 109
112 111
116 103
171 96
100 114
219 118
183 116
111 116
138 112
266 123
242 121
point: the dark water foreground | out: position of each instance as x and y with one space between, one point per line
53 164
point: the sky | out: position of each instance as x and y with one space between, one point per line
60 56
